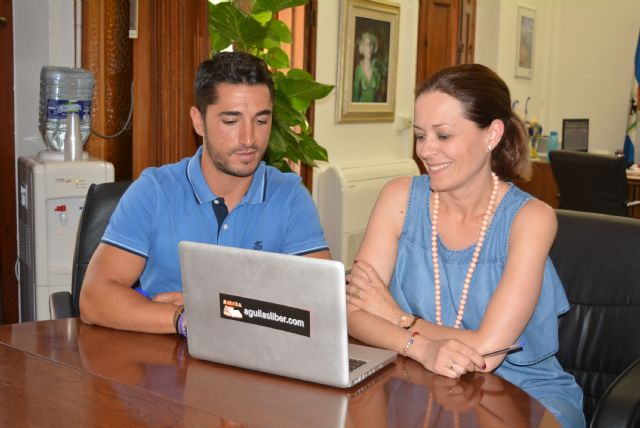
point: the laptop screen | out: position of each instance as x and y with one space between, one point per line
575 135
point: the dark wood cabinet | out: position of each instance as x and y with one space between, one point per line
542 184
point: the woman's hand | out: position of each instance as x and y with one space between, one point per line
366 291
450 357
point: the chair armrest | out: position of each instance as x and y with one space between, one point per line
620 404
60 305
633 203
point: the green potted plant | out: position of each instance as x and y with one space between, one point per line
260 33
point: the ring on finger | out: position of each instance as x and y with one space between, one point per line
356 292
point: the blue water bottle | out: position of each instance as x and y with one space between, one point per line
552 144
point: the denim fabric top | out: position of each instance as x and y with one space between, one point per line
535 368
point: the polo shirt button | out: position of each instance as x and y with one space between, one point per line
215 201
225 227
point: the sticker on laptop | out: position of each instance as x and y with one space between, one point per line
266 314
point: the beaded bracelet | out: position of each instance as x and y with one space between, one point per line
176 319
410 341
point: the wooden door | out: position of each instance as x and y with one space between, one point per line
466 32
437 36
8 246
446 34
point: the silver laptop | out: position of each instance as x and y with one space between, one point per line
273 313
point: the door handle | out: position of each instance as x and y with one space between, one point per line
3 22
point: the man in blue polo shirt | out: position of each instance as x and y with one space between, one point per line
223 195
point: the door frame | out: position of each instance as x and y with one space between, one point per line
8 242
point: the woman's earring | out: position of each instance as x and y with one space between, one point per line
489 149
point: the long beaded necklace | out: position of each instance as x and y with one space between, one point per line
474 258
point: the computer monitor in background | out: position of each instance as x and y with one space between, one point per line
575 134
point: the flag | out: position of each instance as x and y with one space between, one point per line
632 139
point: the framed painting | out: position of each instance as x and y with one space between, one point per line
368 61
525 42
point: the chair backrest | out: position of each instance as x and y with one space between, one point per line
598 260
100 203
590 182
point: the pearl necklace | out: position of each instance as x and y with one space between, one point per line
474 258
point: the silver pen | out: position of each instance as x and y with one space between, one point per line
503 350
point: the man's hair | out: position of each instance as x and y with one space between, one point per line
228 67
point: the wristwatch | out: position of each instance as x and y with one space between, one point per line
407 321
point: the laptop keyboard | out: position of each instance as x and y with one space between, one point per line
354 364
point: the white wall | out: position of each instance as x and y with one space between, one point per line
582 68
583 61
350 143
43 35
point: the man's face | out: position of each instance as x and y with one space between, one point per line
236 128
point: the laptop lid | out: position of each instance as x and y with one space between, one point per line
271 312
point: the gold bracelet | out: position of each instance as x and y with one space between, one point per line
415 319
410 341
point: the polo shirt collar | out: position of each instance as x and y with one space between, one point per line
255 195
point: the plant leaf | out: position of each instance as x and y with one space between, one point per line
218 42
285 112
269 43
304 89
263 17
300 104
277 142
278 30
277 58
235 25
296 73
276 5
313 149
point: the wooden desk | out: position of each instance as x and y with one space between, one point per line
65 373
543 186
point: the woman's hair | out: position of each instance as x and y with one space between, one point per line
485 97
372 39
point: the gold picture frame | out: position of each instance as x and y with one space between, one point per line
525 42
368 61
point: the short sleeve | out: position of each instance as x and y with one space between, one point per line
132 221
303 232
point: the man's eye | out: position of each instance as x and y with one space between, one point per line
263 121
229 122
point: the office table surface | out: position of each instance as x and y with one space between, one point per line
66 373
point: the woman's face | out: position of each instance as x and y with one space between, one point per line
452 147
366 46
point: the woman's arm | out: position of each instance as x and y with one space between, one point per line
516 296
373 314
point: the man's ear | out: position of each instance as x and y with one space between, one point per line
198 120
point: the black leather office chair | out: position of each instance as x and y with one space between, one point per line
591 182
99 205
598 259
